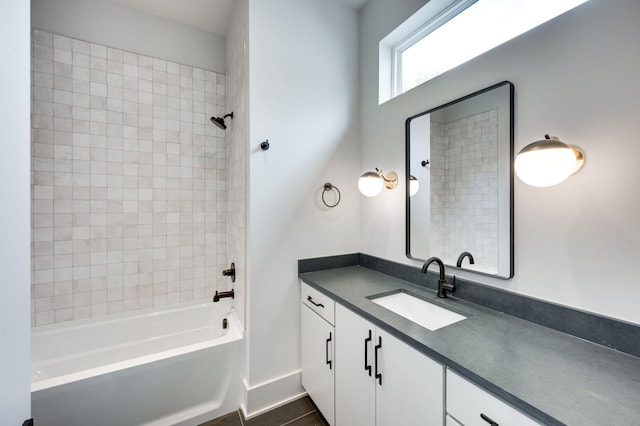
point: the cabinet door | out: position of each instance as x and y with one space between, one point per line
412 387
318 339
355 390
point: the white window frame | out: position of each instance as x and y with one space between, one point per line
432 16
442 17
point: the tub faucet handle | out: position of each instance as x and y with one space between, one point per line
231 272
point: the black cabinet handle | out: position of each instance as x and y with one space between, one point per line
316 304
326 351
367 367
488 419
378 346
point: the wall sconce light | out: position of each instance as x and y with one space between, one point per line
548 162
414 185
370 184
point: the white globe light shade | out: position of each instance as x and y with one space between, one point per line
370 184
414 185
547 162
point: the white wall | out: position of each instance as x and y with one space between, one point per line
114 25
303 99
576 77
15 357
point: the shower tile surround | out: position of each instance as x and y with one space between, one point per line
237 160
128 181
464 187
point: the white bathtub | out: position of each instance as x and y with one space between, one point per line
158 367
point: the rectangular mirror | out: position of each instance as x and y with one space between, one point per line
459 156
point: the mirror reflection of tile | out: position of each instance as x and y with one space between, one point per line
464 187
461 153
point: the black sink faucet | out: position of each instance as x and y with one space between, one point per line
462 256
443 285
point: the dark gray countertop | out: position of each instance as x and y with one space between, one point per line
554 377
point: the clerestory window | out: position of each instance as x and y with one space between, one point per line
447 33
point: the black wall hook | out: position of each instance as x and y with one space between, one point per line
264 145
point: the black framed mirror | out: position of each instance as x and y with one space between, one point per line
459 175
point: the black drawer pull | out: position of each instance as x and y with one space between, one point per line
378 346
326 351
488 420
316 304
367 367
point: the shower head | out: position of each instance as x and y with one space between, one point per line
219 121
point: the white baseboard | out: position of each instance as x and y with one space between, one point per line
271 394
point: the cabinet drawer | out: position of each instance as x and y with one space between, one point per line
467 403
318 302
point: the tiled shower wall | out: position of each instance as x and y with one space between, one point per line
464 188
237 158
128 181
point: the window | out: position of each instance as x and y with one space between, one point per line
447 33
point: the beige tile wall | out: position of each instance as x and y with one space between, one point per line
237 158
128 181
464 188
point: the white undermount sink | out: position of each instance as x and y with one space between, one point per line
418 310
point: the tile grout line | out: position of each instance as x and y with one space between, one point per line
298 418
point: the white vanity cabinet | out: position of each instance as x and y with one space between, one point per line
381 381
317 349
468 405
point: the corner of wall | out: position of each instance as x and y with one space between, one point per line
272 394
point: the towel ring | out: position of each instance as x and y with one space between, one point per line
329 187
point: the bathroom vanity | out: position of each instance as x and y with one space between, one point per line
381 380
485 369
317 349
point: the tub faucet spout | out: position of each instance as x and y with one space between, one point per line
222 295
443 285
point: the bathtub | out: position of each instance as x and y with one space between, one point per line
175 366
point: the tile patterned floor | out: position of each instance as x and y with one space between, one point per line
301 412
